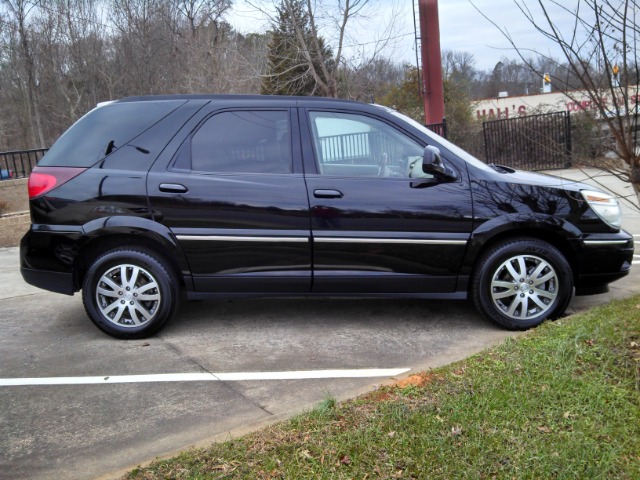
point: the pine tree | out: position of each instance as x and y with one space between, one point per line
288 68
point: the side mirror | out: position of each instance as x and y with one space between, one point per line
432 160
432 163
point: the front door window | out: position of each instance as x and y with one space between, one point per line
354 145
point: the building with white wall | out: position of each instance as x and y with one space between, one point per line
520 106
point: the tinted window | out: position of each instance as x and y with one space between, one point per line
103 130
243 141
357 145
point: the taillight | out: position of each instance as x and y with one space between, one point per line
45 179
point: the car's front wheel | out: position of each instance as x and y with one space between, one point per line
130 293
521 282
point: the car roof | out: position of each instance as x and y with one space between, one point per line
240 97
264 101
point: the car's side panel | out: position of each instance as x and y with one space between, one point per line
376 234
57 249
240 231
557 215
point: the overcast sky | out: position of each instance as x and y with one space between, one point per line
462 28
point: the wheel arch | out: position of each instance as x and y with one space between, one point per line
117 232
557 232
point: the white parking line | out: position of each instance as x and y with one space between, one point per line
206 377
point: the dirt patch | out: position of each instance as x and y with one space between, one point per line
417 380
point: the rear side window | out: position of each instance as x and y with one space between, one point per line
243 141
103 130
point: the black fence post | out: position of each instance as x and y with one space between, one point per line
569 141
486 142
438 128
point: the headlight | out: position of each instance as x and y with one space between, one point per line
605 205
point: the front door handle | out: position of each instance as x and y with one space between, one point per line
173 188
322 193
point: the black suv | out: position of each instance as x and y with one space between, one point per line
147 200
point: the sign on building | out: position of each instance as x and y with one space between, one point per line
521 106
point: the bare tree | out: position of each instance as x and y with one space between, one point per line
370 81
58 58
144 45
199 13
19 12
322 39
74 57
601 55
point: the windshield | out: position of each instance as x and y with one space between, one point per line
103 130
467 157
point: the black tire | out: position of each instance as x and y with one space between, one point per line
521 301
130 293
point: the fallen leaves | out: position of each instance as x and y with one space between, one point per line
305 454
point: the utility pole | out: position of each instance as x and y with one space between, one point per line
432 89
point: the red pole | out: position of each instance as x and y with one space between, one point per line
433 92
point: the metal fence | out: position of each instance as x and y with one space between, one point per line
19 163
355 148
439 128
344 147
536 142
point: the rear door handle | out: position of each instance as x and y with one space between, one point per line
322 193
173 188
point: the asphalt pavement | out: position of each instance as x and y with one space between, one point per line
220 369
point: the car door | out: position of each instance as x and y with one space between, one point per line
377 227
234 196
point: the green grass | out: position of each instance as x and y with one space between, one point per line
562 401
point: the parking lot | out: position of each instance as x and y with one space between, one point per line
77 404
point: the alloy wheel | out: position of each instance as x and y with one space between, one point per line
128 295
524 286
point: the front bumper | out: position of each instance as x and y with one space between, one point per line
604 258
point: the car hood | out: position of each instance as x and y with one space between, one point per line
544 180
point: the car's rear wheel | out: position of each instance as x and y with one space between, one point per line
130 293
520 283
